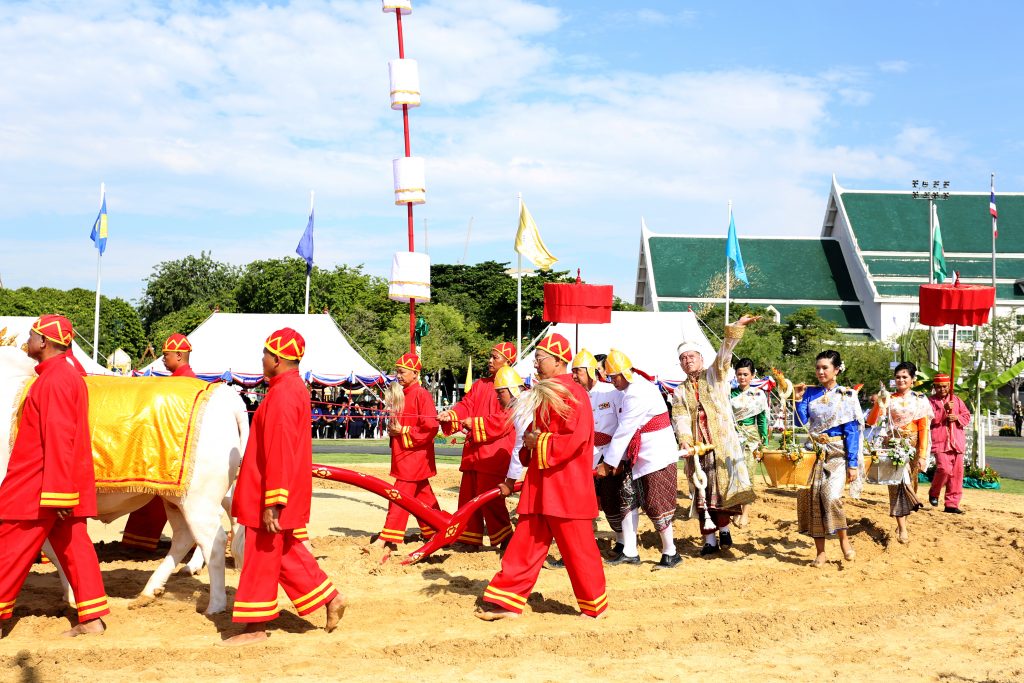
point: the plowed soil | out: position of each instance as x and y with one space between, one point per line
947 607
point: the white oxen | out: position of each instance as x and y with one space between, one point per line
194 517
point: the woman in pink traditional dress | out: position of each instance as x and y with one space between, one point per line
903 422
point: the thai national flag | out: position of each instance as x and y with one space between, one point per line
992 208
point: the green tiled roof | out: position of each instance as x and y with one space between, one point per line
847 316
898 222
1003 291
917 266
779 269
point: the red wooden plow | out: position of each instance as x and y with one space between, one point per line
447 526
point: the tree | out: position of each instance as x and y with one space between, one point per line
762 342
451 343
183 321
866 363
120 325
620 305
913 343
486 294
804 332
176 285
1002 340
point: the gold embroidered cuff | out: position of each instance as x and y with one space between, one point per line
734 331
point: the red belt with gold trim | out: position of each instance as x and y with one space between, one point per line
656 423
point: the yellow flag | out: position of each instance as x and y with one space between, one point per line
529 243
469 377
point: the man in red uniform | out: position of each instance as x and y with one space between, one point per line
50 487
412 434
557 501
144 526
950 417
177 350
486 453
272 500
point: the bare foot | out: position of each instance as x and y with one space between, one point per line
247 637
820 561
495 614
849 554
903 537
335 611
590 616
91 627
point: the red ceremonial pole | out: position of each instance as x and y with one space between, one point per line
952 354
408 153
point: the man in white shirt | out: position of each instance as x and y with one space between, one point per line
644 449
605 401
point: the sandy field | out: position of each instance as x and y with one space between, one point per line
948 607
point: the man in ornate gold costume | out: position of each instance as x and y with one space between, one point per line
702 418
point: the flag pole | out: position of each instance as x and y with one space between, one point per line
727 278
519 286
995 229
933 350
309 270
96 308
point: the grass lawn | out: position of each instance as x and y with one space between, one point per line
335 442
994 451
1014 486
369 459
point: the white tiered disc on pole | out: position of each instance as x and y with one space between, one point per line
403 6
410 277
410 180
405 83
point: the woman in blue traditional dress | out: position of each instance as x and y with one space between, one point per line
834 421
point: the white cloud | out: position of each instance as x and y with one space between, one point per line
209 117
895 66
654 17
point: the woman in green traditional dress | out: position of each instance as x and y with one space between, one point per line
750 411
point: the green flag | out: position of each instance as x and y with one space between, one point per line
937 254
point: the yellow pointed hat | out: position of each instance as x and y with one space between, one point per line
585 359
618 363
507 378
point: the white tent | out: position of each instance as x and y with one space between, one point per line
648 338
233 343
20 325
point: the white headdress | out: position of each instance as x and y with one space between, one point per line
687 345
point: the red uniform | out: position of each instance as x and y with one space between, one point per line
485 458
275 472
184 370
557 501
949 443
51 469
412 461
145 525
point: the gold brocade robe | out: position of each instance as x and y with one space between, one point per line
732 478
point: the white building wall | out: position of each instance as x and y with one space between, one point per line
840 230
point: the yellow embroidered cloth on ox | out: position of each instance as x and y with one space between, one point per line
144 431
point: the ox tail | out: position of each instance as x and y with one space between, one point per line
238 544
237 530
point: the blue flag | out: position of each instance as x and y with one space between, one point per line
305 248
732 252
99 228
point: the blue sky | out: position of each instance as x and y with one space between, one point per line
211 122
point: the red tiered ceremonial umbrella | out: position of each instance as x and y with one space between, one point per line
955 304
577 303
